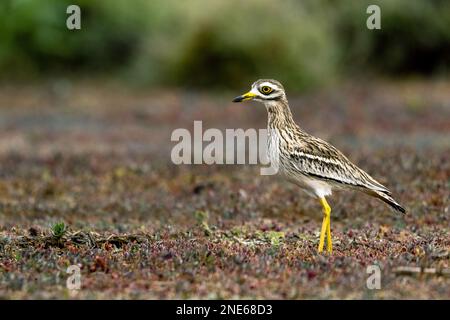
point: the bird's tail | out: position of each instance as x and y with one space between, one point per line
386 197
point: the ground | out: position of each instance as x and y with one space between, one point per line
86 179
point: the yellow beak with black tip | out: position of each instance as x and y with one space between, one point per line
246 96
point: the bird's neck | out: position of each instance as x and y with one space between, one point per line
279 114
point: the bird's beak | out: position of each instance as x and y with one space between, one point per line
246 96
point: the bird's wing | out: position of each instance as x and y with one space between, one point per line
319 159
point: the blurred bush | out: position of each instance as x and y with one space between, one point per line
35 40
230 43
414 37
226 43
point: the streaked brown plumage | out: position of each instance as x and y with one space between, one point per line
311 163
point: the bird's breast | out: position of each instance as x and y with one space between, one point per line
273 147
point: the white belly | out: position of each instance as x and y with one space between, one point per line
313 187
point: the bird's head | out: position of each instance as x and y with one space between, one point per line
263 90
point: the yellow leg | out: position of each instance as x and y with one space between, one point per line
325 227
322 234
329 242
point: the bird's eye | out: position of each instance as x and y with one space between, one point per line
266 89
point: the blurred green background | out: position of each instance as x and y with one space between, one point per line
225 43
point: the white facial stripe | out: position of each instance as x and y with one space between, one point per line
255 91
268 84
273 94
259 95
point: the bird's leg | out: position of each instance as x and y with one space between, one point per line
329 242
322 234
325 226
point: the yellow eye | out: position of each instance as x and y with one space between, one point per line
266 89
